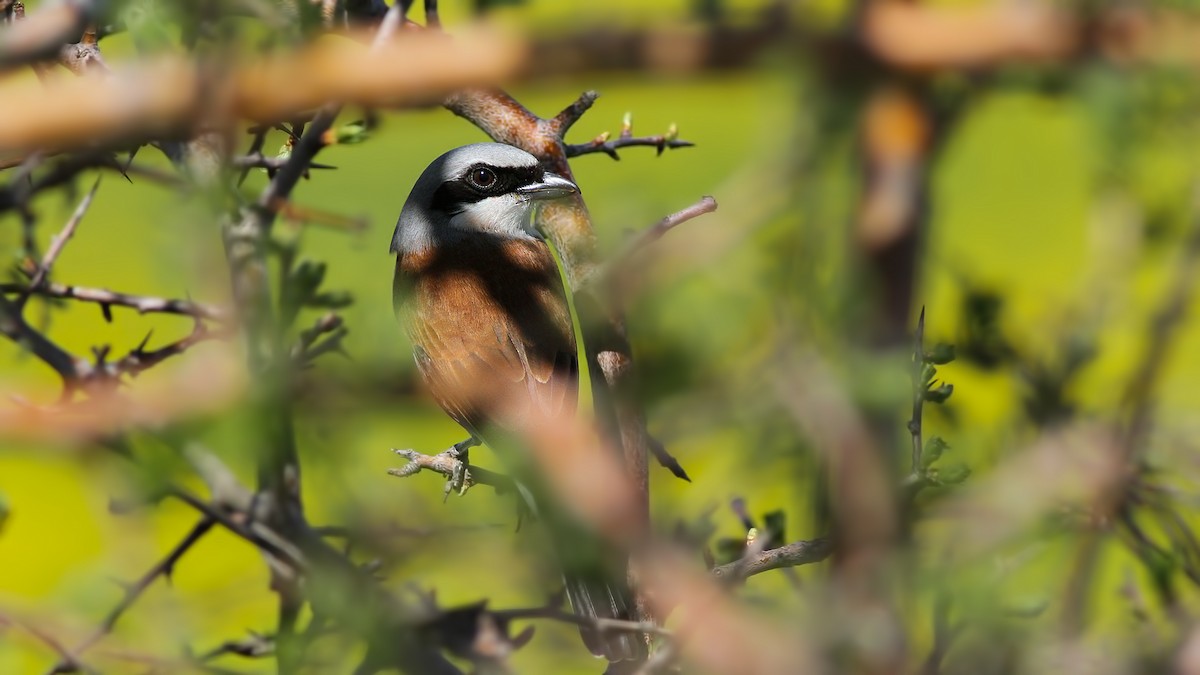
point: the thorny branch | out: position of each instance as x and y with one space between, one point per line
143 304
626 139
163 568
61 239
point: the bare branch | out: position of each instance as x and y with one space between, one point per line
163 568
705 205
253 646
1164 327
139 360
794 554
50 641
143 304
14 327
172 98
432 20
616 269
667 460
916 373
257 160
40 36
60 241
563 121
307 348
603 625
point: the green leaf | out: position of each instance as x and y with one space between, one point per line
934 447
729 550
939 394
331 300
354 132
928 371
775 523
953 474
941 354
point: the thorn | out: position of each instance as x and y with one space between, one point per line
101 353
106 310
140 349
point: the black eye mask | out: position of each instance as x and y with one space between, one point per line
455 195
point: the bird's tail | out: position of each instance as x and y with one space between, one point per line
595 586
605 599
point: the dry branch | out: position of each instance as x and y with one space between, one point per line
163 568
170 98
143 304
791 555
40 36
622 264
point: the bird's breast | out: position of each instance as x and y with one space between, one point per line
492 328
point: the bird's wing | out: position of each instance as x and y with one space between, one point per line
493 338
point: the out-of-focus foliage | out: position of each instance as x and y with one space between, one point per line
1058 198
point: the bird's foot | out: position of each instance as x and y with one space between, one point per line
452 463
460 474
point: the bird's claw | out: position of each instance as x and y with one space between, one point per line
453 463
460 474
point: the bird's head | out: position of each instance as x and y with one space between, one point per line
486 188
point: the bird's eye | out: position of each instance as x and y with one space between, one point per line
482 177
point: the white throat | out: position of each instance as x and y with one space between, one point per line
506 216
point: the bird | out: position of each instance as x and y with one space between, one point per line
482 299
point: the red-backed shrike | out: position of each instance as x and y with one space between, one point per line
481 296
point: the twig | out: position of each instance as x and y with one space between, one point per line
260 137
40 35
602 143
571 114
330 323
144 304
14 327
308 215
1163 329
257 533
916 372
944 635
563 121
134 591
432 20
667 460
139 360
60 241
706 204
257 160
615 269
662 659
791 555
600 624
74 664
255 646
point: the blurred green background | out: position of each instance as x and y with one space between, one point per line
1036 196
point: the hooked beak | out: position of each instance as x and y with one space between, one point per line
552 186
